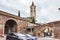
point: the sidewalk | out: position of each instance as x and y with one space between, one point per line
47 38
41 38
2 38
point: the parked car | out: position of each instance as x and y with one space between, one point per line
19 36
11 36
15 36
22 36
31 37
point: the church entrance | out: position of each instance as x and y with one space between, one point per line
47 32
10 26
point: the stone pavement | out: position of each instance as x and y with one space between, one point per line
3 38
47 38
41 38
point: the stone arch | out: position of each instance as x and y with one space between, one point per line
10 26
47 30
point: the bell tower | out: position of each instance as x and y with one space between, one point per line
33 10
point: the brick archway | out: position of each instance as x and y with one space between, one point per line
10 26
47 31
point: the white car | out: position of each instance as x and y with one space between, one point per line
31 37
26 36
19 36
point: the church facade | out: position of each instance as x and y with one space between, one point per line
12 23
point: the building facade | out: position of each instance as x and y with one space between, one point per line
51 29
12 23
33 10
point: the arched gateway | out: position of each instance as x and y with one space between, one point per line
10 26
11 23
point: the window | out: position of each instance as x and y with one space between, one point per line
32 29
28 29
24 28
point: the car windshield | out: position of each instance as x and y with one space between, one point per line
11 34
18 34
30 36
24 36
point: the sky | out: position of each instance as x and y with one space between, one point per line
46 10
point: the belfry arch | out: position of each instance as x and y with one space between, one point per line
10 26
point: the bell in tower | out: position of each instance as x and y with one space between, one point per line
33 11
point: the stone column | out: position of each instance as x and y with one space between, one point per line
1 30
31 30
18 29
18 26
1 26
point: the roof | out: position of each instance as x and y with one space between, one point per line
16 17
54 22
32 5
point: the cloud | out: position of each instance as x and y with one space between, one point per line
49 9
45 9
12 5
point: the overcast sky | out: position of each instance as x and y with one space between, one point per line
46 10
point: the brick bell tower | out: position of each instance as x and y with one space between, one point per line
33 10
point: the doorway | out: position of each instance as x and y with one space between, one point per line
10 26
47 32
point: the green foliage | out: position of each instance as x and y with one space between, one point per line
19 13
33 19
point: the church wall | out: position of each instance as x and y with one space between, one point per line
23 25
57 30
39 30
1 25
4 19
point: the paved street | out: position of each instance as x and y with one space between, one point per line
47 38
2 38
44 38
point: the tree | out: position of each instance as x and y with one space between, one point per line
19 13
33 20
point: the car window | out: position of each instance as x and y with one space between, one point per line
12 34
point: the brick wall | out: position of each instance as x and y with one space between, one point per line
1 32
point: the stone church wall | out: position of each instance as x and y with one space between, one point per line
57 30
